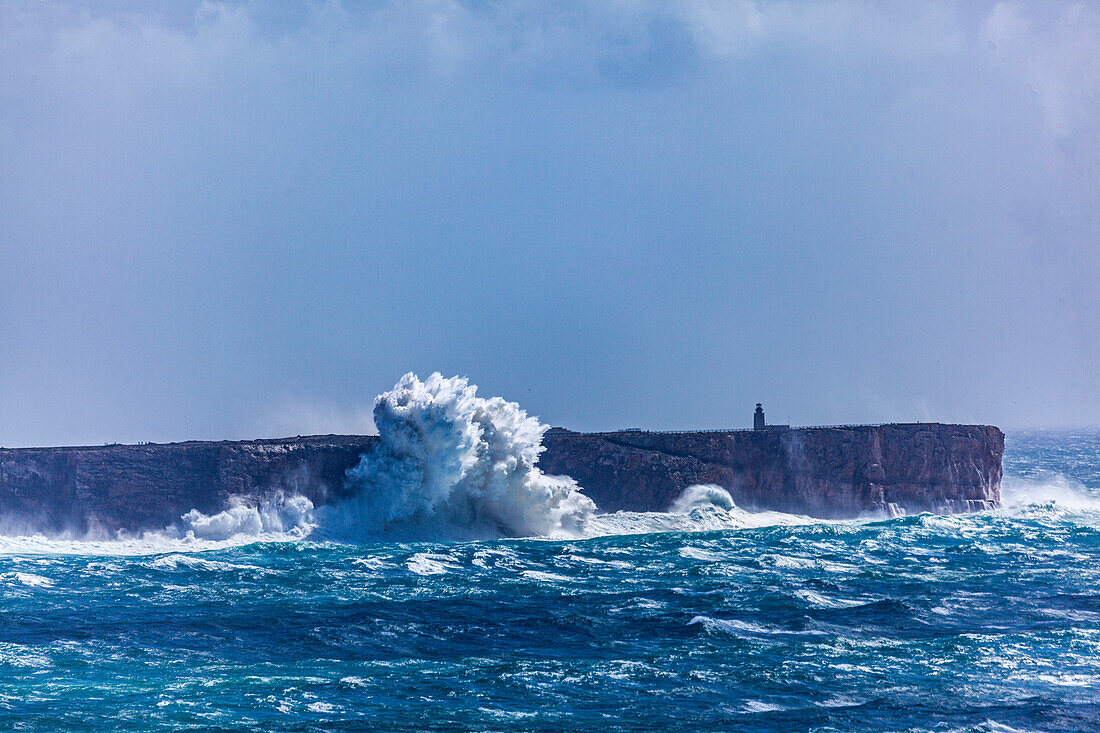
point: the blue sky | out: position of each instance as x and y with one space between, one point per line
222 220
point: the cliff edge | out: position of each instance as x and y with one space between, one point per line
152 485
832 472
825 472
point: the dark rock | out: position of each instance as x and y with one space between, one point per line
144 486
823 472
826 472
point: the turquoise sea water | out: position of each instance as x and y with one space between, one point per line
984 622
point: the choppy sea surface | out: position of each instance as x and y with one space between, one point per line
711 620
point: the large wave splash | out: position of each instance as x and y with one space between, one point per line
450 464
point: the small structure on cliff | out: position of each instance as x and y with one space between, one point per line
758 420
758 417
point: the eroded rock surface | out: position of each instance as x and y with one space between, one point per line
150 486
826 472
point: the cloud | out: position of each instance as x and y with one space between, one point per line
1056 53
207 40
204 202
738 28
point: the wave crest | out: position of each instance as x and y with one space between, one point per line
698 496
452 464
1049 493
278 515
699 508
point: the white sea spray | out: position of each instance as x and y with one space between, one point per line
290 515
1051 491
450 464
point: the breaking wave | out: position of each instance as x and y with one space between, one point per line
291 516
702 495
1054 489
450 464
275 519
699 508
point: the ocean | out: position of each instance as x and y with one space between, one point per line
710 618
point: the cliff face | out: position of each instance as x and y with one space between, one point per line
827 472
148 486
824 472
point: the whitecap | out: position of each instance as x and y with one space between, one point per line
786 561
19 655
618 564
351 681
696 553
731 626
838 701
821 601
195 562
424 563
544 577
29 579
759 706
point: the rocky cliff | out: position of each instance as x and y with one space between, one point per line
146 486
827 472
823 472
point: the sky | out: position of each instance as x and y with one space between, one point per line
234 219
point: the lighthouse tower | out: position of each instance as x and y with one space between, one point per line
758 417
